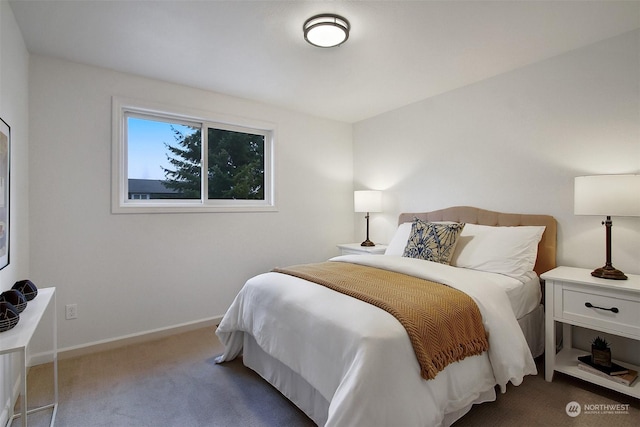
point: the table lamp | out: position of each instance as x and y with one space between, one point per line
607 195
367 201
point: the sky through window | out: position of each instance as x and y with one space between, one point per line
147 153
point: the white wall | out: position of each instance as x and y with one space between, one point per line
14 61
133 273
514 143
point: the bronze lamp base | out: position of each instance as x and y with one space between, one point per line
608 272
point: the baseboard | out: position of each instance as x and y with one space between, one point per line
111 343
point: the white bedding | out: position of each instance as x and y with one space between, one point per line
524 294
360 358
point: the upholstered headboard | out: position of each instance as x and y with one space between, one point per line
546 259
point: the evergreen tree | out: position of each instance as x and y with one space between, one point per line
236 165
185 177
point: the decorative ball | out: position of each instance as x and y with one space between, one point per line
9 316
15 298
27 287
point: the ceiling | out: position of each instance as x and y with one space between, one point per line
398 52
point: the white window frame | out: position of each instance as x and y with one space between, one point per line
120 203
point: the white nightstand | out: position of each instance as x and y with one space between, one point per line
574 297
356 249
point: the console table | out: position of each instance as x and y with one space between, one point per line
17 339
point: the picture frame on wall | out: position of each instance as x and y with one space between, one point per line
5 161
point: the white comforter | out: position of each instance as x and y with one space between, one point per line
360 358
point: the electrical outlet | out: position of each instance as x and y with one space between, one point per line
72 311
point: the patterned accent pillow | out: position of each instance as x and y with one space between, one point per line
432 241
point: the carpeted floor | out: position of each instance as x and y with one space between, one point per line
175 382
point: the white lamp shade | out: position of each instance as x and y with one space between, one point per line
607 195
367 201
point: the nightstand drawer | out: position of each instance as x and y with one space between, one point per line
616 312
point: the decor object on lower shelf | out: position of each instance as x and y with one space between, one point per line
9 316
15 298
626 379
614 369
600 352
27 287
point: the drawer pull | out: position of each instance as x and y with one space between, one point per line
613 309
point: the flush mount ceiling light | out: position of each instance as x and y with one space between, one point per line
326 30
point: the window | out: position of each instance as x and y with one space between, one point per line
177 161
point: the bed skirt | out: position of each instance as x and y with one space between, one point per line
311 402
304 396
289 383
532 326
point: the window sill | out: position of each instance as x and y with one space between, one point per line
143 208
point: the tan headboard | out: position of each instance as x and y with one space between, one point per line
546 248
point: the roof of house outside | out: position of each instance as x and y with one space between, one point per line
149 186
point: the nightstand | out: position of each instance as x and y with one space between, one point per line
575 298
356 249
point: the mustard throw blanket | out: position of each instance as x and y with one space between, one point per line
443 323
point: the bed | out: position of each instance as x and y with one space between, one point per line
346 362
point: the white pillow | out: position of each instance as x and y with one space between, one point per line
506 250
399 240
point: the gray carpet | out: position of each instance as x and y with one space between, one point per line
175 382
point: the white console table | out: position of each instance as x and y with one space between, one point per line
18 338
